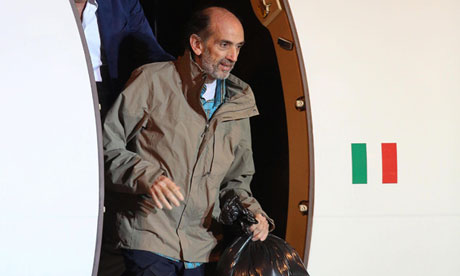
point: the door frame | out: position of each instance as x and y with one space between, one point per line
276 16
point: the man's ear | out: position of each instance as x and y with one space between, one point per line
196 44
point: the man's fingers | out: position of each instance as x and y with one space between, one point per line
168 189
157 189
259 234
155 199
256 236
259 230
170 196
164 192
173 188
262 235
164 201
148 203
178 194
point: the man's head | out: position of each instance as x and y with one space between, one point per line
216 41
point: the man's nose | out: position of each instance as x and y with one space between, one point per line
232 54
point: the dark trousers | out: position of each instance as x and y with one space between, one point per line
144 263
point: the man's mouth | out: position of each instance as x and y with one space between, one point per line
226 66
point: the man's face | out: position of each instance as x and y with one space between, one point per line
221 49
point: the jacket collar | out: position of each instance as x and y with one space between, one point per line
191 75
240 101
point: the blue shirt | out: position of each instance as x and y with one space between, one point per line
212 105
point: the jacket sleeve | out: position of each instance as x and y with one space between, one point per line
125 170
240 174
140 28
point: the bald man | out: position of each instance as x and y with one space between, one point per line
176 140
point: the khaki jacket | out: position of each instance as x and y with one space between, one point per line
158 127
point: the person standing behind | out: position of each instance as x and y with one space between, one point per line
119 39
177 140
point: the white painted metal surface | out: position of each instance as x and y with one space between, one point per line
49 172
384 71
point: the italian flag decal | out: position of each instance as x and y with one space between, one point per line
389 163
359 163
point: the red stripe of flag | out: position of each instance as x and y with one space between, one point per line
389 163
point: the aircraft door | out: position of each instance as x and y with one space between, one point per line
275 16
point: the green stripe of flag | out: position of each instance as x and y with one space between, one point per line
359 163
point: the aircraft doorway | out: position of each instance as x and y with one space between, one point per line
276 154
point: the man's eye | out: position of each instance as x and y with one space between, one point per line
224 44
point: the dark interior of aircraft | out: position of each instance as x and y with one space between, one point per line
257 65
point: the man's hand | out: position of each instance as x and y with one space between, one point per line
164 191
259 230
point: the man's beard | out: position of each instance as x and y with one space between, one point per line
212 68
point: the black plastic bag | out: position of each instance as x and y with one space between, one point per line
244 257
272 257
